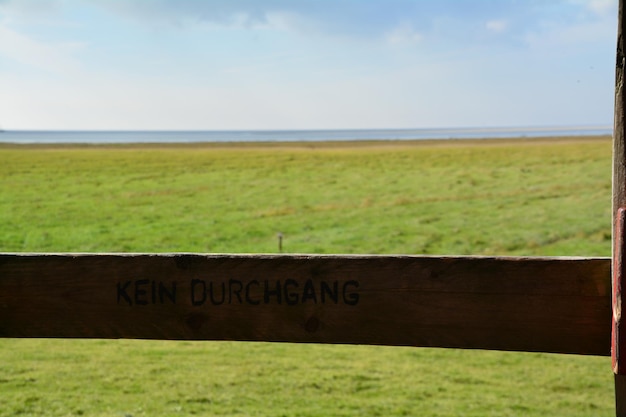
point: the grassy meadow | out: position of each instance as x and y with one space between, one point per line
495 197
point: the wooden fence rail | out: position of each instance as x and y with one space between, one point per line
560 305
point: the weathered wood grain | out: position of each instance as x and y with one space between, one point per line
525 304
619 125
619 202
618 337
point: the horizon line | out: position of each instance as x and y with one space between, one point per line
425 129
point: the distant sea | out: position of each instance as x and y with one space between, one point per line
102 137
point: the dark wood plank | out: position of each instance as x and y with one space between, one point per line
533 304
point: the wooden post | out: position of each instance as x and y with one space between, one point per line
618 336
618 348
280 242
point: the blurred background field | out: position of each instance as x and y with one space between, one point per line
497 197
532 197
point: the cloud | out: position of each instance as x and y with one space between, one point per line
225 14
29 8
497 25
599 7
591 22
367 19
50 57
396 21
404 34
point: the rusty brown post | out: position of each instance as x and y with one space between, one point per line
618 348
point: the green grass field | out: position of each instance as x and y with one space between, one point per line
496 197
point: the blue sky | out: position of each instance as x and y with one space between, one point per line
309 64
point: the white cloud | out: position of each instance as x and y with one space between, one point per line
50 57
593 23
29 8
403 34
233 14
343 18
600 7
497 25
574 35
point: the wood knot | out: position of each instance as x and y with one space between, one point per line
312 324
182 262
195 321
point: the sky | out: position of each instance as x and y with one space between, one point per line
305 64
